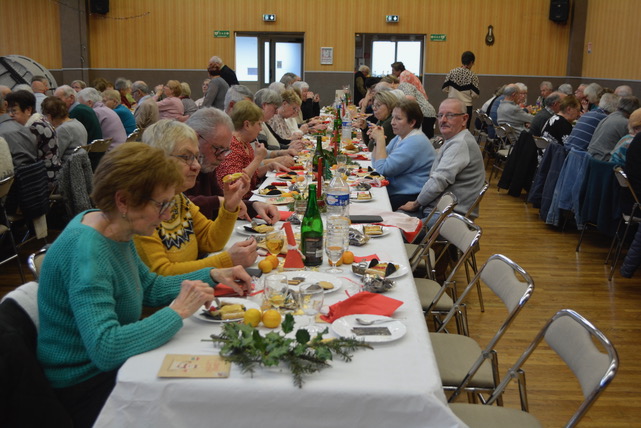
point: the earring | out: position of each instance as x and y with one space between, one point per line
123 215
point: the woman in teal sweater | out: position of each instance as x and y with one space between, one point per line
93 284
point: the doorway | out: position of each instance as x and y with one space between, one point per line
379 51
263 58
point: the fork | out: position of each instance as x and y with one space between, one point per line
370 322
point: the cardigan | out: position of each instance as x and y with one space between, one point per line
90 300
175 245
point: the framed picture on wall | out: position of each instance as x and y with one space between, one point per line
327 56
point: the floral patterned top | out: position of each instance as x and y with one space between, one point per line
241 155
47 143
280 126
409 77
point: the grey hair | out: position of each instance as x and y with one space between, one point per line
288 78
300 85
511 90
623 91
166 133
267 96
554 97
521 86
215 60
186 90
277 86
546 84
628 104
237 93
592 92
566 89
23 87
363 69
66 90
82 83
141 86
122 83
90 94
609 102
206 121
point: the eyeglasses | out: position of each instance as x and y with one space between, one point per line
448 116
218 151
376 106
188 159
163 206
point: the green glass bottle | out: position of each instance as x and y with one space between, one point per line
318 153
311 232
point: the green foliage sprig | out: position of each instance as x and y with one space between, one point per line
243 345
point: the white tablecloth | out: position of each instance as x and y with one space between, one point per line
394 385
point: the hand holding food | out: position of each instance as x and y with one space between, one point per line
193 295
243 252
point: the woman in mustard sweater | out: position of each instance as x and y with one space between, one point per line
178 242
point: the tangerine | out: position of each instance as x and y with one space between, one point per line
273 260
265 266
252 317
348 257
271 318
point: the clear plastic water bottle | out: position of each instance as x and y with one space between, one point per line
346 133
337 196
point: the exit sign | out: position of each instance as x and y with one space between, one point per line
438 37
224 34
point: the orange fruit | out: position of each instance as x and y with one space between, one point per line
252 317
348 257
274 260
266 266
271 318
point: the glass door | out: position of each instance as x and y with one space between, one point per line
379 51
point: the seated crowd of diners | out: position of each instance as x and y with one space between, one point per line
162 206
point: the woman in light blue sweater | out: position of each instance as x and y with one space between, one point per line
407 159
93 284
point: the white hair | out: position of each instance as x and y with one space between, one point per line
90 94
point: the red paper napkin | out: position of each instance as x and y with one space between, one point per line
358 259
362 303
279 183
296 167
358 157
284 215
223 290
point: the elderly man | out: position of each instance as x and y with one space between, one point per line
110 123
583 131
359 83
623 91
226 73
612 129
216 91
458 167
123 86
462 83
545 89
234 94
214 129
141 93
39 86
552 105
509 111
21 142
84 114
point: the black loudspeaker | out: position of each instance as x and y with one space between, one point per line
559 10
100 6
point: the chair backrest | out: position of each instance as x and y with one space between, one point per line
622 178
477 201
5 186
542 143
574 339
98 146
35 262
134 136
511 133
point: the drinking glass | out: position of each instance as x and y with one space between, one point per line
300 206
336 241
276 289
341 161
275 242
310 301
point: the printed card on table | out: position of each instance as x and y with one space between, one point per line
204 366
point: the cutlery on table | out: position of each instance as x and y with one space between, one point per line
370 322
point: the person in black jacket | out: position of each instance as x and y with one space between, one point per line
633 171
226 73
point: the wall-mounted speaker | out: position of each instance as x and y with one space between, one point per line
99 6
559 10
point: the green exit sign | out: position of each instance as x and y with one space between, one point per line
438 37
224 34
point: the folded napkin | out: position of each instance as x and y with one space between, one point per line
358 157
223 290
362 303
279 183
296 167
284 215
358 259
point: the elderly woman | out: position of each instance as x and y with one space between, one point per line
409 91
407 159
176 244
78 85
383 105
204 87
93 284
269 101
110 123
398 70
71 133
247 118
559 126
170 107
21 106
146 115
112 98
185 97
619 153
310 106
278 124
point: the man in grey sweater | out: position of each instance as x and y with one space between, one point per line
458 167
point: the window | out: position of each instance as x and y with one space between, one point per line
384 49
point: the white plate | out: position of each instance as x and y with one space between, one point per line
343 327
257 193
359 227
402 270
233 300
241 229
358 201
311 276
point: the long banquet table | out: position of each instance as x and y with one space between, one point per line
395 384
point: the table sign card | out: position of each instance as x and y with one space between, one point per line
204 366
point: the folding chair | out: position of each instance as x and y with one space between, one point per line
573 338
628 219
502 149
5 226
35 262
134 136
462 362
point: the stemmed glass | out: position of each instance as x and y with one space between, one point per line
300 207
275 242
336 241
276 289
310 301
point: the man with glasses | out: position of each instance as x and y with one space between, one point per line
214 129
458 167
509 110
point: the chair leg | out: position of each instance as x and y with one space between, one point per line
620 243
16 255
494 358
578 246
615 238
523 390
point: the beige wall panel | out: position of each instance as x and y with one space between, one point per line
31 28
613 30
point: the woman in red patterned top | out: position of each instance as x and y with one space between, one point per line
247 118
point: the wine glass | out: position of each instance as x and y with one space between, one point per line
336 241
300 207
275 241
275 290
310 301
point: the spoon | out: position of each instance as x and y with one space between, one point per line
370 322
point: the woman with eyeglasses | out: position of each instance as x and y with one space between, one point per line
93 285
167 97
178 241
407 159
383 105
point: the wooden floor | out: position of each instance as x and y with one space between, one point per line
563 279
